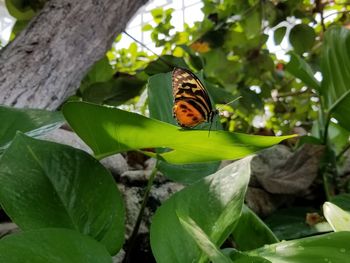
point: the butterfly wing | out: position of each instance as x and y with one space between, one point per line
191 101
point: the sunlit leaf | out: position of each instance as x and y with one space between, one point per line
336 217
110 130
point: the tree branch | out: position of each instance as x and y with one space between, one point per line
46 62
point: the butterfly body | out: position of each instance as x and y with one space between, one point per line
192 105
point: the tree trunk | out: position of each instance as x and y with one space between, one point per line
46 62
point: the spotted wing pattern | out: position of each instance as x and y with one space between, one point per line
192 105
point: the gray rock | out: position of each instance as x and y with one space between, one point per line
115 163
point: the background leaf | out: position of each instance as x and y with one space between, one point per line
302 38
214 203
54 245
46 184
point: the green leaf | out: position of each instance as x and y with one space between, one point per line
115 91
240 257
203 241
332 247
251 232
147 27
279 34
18 27
335 64
159 86
46 184
110 130
300 69
30 121
252 23
336 217
342 200
214 204
302 38
101 71
53 245
216 67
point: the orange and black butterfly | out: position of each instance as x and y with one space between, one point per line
192 104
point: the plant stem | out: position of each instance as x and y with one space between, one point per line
132 239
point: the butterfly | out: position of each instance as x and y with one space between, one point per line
192 104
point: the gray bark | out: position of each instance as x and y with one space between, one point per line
46 62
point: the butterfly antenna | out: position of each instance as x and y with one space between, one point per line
230 102
150 50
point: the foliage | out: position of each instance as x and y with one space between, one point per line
63 198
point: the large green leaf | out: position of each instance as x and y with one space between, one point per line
109 130
33 122
300 69
159 86
214 204
52 245
45 184
251 232
332 247
335 64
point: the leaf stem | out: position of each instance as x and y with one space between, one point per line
133 236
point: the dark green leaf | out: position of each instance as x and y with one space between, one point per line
30 121
214 203
251 232
302 38
46 184
52 245
342 200
115 91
